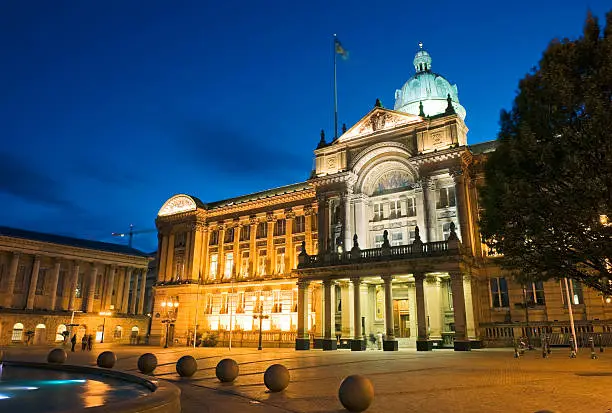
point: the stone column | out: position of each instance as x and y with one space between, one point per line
73 284
134 293
119 290
348 222
10 285
346 297
188 255
237 257
270 244
53 287
461 341
302 341
108 296
423 344
161 265
126 290
322 224
143 287
329 342
434 307
308 229
204 251
289 250
221 253
357 343
33 281
389 343
461 201
196 260
170 259
253 246
429 208
91 288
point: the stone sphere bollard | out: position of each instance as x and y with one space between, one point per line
147 363
57 356
276 378
227 370
106 359
356 393
186 366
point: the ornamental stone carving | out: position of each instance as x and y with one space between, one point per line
177 204
270 217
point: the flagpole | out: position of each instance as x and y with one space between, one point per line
335 92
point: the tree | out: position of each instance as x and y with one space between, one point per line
548 185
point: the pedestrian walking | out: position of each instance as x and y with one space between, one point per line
84 342
89 342
73 341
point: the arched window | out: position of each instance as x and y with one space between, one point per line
59 334
17 332
135 331
118 332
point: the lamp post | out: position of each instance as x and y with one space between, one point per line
261 316
170 308
104 314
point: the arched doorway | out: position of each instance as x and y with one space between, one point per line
40 334
118 334
134 335
17 332
59 333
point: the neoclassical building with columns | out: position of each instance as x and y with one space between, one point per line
50 284
380 248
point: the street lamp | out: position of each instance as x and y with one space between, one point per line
170 308
104 314
261 316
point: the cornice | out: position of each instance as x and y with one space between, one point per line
261 203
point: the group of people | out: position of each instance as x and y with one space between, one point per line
86 342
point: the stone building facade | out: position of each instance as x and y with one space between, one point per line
379 248
51 284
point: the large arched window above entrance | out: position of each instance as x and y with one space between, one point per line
387 176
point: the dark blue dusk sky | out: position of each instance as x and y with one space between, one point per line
110 107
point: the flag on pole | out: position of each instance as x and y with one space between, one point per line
341 50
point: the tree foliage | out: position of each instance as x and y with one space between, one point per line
549 182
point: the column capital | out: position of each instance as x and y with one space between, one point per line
253 220
303 284
356 280
289 213
387 278
308 210
328 283
456 174
37 257
419 276
432 279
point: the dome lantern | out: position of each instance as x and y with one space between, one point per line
422 60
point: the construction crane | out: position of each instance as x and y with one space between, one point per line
130 234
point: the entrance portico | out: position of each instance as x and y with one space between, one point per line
385 271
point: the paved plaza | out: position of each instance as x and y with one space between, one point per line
406 381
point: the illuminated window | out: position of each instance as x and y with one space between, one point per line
277 304
224 304
59 333
395 209
40 281
240 303
245 233
262 230
446 230
299 224
397 238
261 262
17 332
298 250
410 207
229 265
499 292
445 197
213 265
244 264
98 288
179 269
575 292
208 306
214 237
79 286
294 300
449 292
378 211
411 235
378 240
280 261
534 293
280 227
229 236
118 333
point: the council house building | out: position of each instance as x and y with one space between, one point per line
380 248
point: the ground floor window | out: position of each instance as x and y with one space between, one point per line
17 332
59 334
499 292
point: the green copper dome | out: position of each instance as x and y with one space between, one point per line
428 88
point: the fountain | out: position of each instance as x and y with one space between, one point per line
60 388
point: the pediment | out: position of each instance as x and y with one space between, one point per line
378 120
177 204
